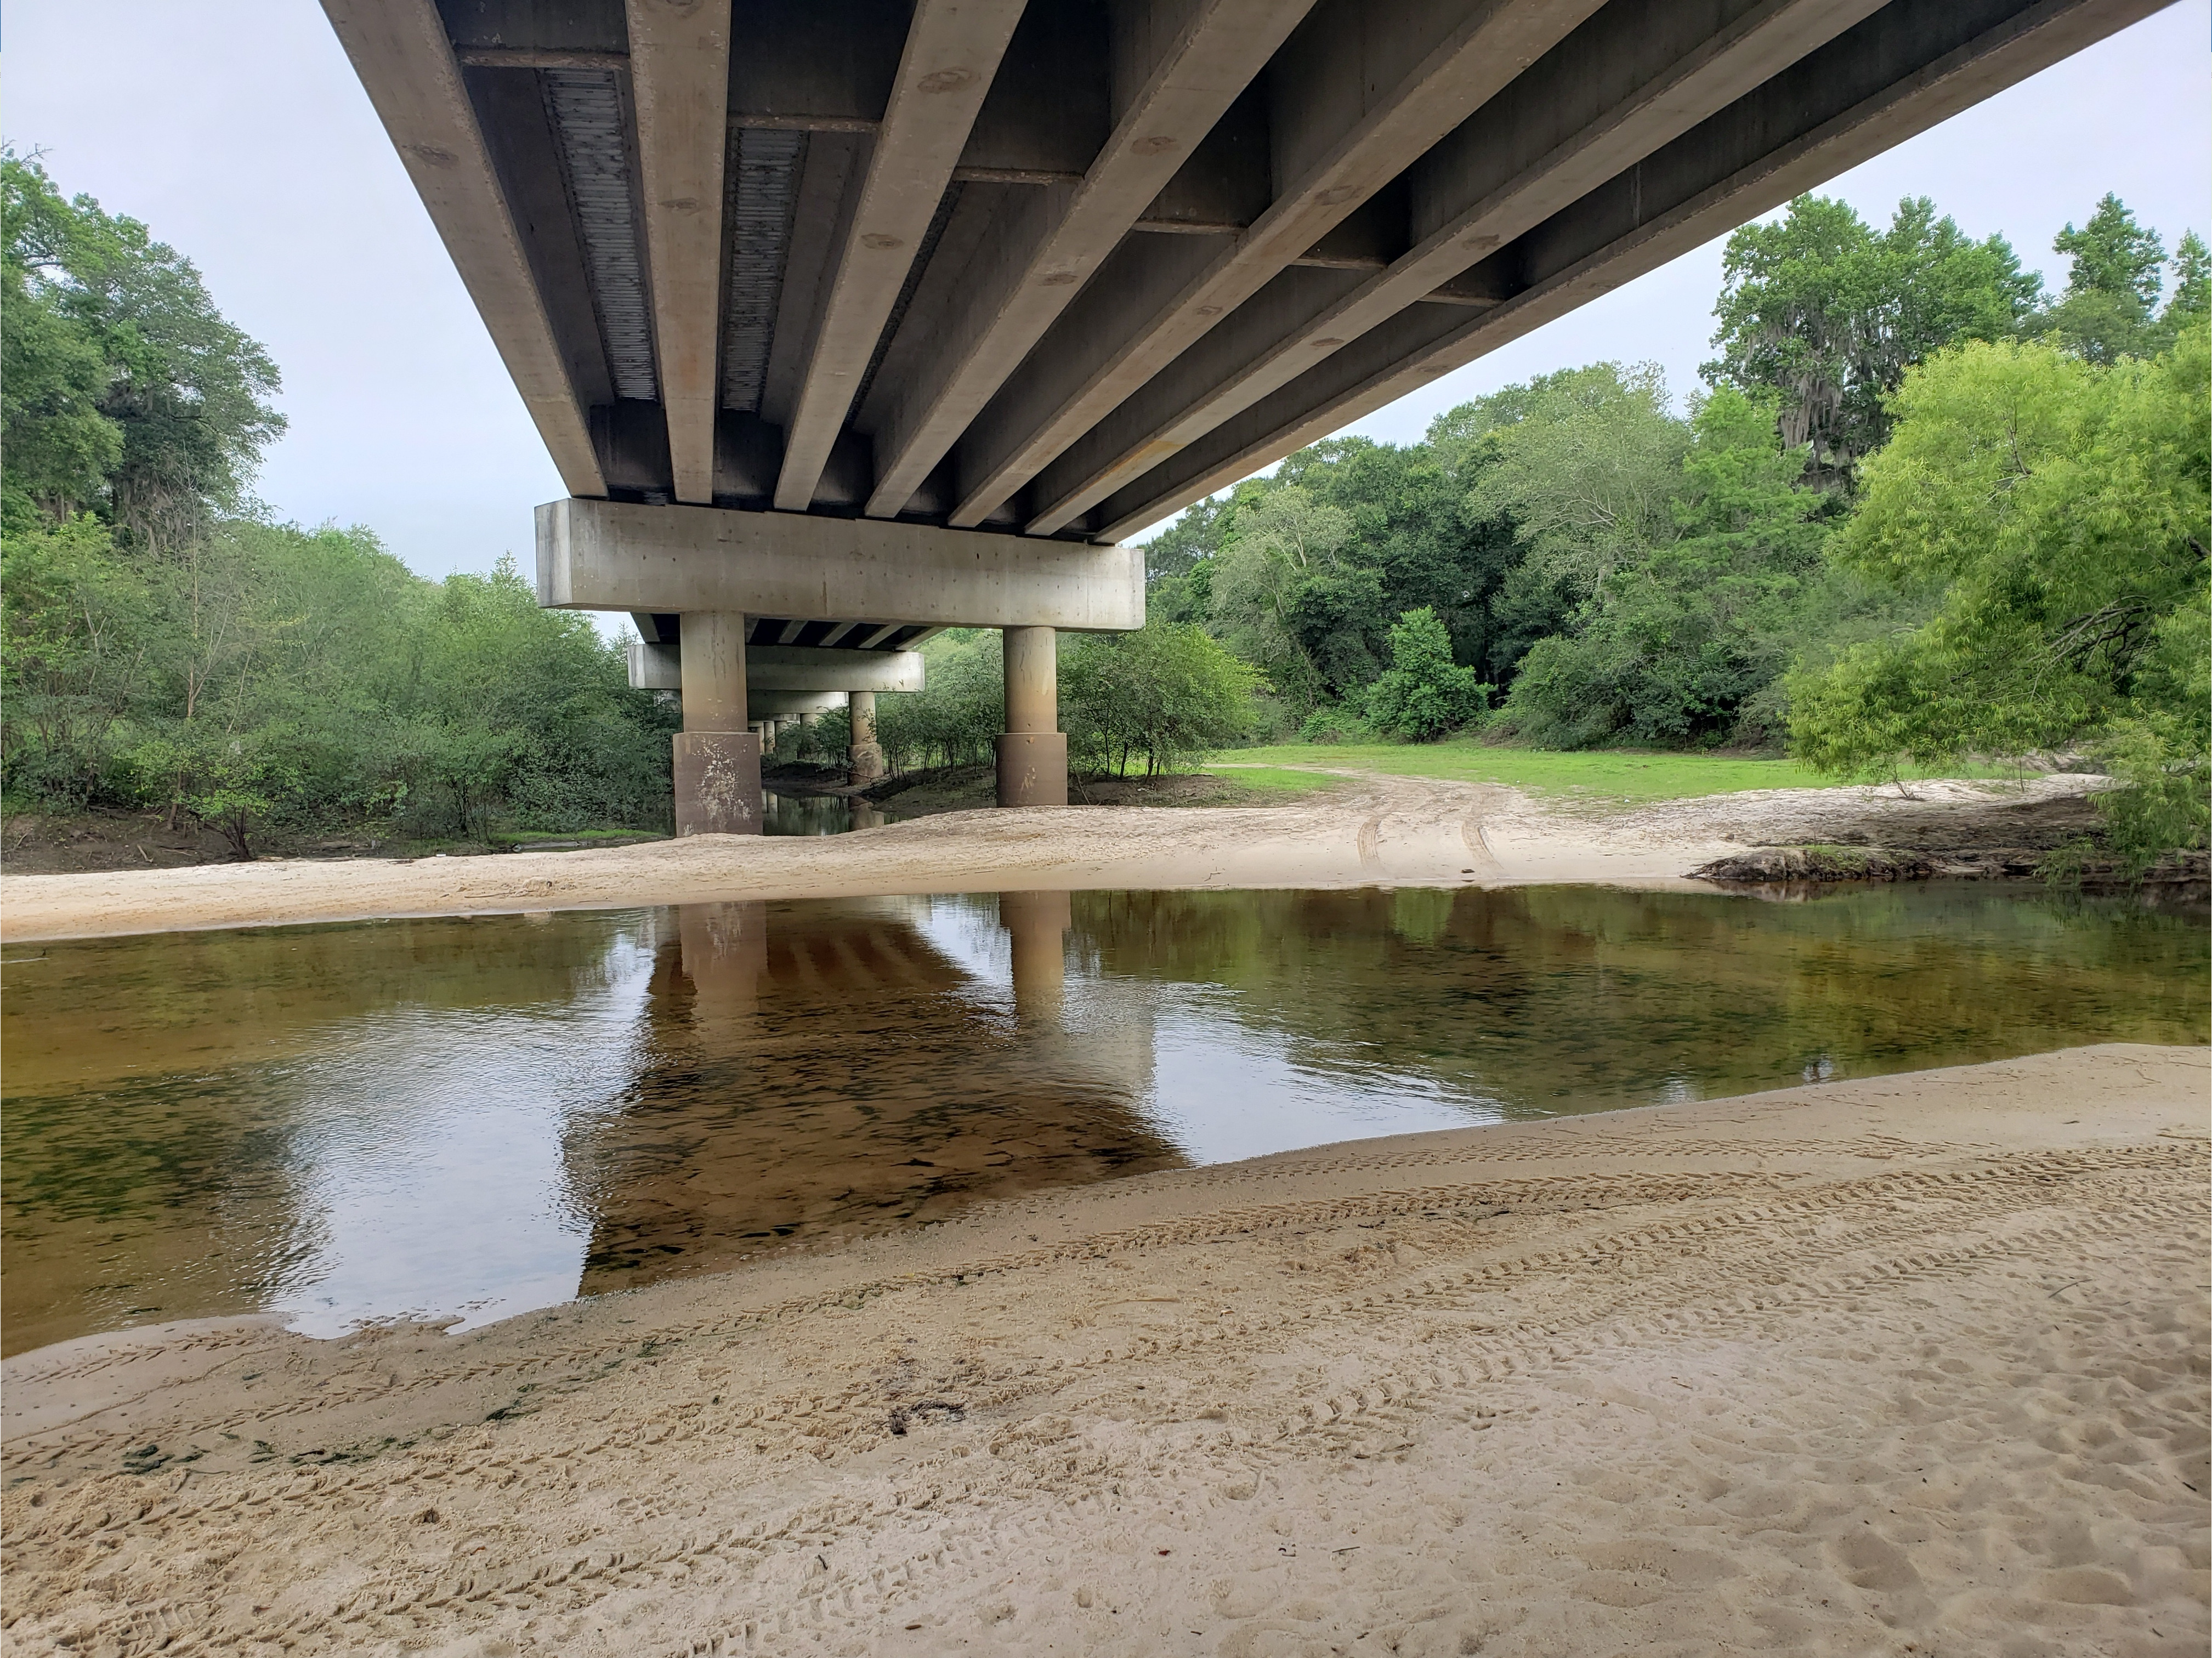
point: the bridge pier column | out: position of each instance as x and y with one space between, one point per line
865 757
717 759
1033 752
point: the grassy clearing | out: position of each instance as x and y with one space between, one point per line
526 838
1601 774
1275 781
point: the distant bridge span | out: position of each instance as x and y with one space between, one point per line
995 274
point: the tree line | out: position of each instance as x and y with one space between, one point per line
1919 509
170 646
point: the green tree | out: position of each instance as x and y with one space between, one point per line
2110 308
165 647
961 707
60 445
2190 305
1822 314
1681 647
129 392
1424 694
2059 507
75 624
1280 581
1165 694
1585 472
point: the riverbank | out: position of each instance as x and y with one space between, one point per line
1907 1363
1373 829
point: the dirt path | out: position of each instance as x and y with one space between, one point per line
1909 1364
1384 830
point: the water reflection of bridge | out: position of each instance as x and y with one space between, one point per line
823 1069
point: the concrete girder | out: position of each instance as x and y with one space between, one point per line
1335 140
679 55
655 665
1896 74
952 50
802 668
1627 82
401 52
619 555
1037 257
787 705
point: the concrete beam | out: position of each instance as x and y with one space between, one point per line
1186 70
1337 140
618 555
952 50
1624 83
657 666
810 668
786 705
1898 73
680 70
400 50
654 666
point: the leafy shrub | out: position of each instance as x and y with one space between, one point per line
1166 694
1422 693
1336 723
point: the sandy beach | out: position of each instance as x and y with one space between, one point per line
1381 830
1911 1364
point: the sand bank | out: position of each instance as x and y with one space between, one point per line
1386 829
1911 1364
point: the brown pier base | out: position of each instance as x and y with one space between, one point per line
718 783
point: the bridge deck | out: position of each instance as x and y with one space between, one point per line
1059 267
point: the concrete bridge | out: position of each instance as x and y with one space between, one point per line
786 681
844 320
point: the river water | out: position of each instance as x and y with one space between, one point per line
820 814
462 1119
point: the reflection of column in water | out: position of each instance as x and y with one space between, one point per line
874 1082
1037 923
865 815
725 948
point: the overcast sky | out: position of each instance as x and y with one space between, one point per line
236 130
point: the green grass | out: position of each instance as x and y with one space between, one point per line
530 837
1274 779
1604 773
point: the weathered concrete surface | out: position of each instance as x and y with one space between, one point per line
789 705
618 556
655 665
865 759
1057 269
1032 754
718 783
717 757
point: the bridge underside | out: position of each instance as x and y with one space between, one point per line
1045 271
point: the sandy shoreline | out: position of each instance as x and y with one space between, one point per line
1911 1364
1384 830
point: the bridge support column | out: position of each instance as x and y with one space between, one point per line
1033 752
718 771
865 757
